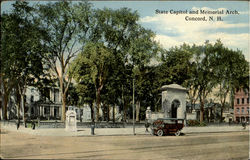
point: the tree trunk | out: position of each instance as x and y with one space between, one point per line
125 112
113 113
22 94
4 106
18 110
98 99
63 118
104 110
138 106
1 78
232 99
210 114
23 106
17 104
201 110
107 114
92 112
1 112
4 95
221 113
123 104
207 115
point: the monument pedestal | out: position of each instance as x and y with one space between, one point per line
70 124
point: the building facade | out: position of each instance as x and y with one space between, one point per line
241 106
49 106
45 106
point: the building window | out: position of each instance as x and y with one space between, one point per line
247 110
47 111
242 100
56 95
47 94
238 101
242 110
238 110
248 100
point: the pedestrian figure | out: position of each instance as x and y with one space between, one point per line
33 125
244 125
17 124
146 126
25 123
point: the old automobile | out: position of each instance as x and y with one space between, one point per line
165 126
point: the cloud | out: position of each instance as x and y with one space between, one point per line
173 30
239 41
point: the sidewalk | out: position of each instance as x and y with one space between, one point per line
115 131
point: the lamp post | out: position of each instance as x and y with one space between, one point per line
134 106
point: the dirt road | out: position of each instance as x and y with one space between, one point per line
214 146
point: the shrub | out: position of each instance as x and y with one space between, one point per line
202 124
195 123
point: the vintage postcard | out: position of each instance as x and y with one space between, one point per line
129 80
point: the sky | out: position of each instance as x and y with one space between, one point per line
173 29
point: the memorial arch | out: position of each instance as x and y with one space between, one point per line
174 101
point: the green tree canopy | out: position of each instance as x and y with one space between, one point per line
66 28
21 65
93 66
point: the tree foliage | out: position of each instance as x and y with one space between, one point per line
21 65
111 48
66 25
231 72
96 58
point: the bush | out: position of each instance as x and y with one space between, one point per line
195 123
202 124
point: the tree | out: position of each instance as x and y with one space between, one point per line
97 58
130 43
147 90
66 27
202 68
142 49
176 63
118 89
72 95
205 79
231 71
86 93
177 66
20 63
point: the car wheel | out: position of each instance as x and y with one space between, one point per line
178 133
160 132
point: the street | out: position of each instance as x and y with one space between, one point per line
193 146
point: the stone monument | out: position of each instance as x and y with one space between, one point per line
71 121
174 101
